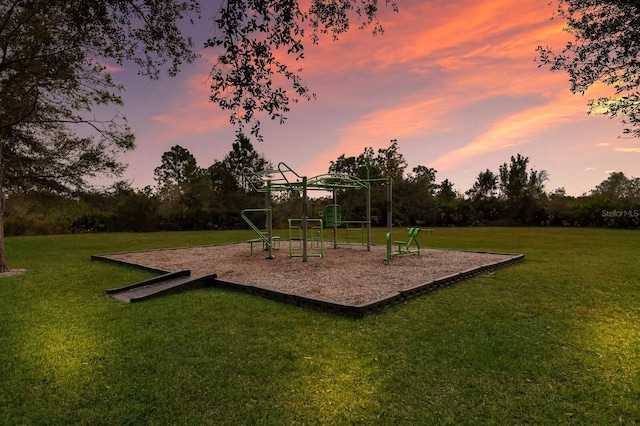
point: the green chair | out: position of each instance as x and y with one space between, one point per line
411 246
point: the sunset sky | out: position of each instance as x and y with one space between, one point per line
456 83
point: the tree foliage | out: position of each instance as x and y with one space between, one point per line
360 166
192 197
618 186
446 191
52 80
388 162
424 176
522 189
243 155
515 182
605 50
485 186
46 78
178 167
259 39
514 177
206 203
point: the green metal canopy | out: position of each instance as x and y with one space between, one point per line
285 179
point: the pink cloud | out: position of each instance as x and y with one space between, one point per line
456 55
426 33
628 149
457 36
487 50
517 129
379 127
191 114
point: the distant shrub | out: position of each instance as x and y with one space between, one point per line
95 222
34 225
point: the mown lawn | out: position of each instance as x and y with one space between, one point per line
553 340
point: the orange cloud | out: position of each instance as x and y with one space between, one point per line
379 127
485 50
441 35
465 52
516 129
191 114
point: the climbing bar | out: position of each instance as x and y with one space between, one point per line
296 241
284 178
356 232
263 236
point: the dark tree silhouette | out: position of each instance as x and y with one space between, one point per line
251 36
605 49
52 79
179 167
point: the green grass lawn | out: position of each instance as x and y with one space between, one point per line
553 340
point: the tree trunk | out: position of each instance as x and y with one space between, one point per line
3 254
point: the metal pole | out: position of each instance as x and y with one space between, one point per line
335 220
304 218
389 204
389 214
368 166
269 220
368 215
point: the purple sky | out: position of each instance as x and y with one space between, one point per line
454 82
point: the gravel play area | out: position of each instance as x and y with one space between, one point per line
348 275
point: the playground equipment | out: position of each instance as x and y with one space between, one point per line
406 247
266 237
333 215
296 238
275 241
355 229
283 178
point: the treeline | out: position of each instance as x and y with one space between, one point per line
189 197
